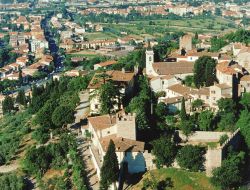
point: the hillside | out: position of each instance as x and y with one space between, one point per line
181 180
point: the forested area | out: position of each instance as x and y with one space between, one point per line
240 35
52 108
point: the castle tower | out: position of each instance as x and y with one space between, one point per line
126 127
186 42
149 61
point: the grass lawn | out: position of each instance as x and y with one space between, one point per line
182 180
100 36
84 53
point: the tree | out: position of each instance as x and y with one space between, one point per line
245 101
227 113
141 120
164 150
187 127
197 104
230 174
223 139
205 120
109 97
63 115
155 184
204 71
183 114
191 157
8 104
189 80
21 98
44 115
244 124
226 105
110 167
218 12
20 76
13 181
161 111
217 43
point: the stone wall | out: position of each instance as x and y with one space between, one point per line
203 136
215 156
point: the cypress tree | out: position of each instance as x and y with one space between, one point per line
7 105
21 98
110 168
20 76
183 114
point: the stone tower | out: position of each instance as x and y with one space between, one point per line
186 42
126 127
149 61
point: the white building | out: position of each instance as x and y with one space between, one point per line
38 44
121 129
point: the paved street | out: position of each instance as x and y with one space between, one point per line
83 108
81 113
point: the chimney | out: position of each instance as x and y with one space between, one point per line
123 70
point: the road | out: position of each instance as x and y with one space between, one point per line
82 111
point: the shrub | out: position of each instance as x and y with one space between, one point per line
191 157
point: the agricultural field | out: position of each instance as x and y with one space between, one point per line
159 27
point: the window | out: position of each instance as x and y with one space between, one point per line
96 106
108 132
150 58
213 91
162 82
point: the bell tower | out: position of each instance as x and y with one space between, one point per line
149 61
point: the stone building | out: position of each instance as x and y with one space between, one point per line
121 129
186 42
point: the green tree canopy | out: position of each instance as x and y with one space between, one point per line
8 104
183 114
21 98
109 97
191 157
205 120
63 115
230 174
244 124
204 71
245 101
110 167
165 151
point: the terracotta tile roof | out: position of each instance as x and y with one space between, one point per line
174 99
107 63
181 89
122 144
173 68
166 77
226 68
223 86
203 53
102 122
245 50
118 76
203 91
245 78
